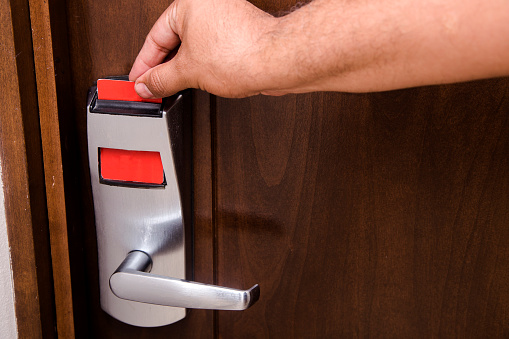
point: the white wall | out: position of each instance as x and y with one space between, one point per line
8 328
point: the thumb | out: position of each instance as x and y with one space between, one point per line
161 81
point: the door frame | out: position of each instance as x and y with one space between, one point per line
23 177
37 211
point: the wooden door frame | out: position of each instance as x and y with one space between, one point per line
49 36
23 176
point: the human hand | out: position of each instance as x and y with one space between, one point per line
215 45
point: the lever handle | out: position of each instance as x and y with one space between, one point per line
132 282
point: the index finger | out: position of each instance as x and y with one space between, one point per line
160 41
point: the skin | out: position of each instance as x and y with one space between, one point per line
230 48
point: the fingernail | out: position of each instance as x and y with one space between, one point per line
143 91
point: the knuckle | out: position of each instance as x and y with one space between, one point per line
171 16
177 14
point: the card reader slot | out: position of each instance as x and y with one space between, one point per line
135 108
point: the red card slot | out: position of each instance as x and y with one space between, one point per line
131 166
119 90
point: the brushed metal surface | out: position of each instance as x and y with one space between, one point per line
129 218
131 282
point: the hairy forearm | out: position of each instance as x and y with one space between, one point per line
361 46
231 48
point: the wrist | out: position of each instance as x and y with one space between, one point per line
271 61
287 56
262 68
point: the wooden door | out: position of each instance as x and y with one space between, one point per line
383 215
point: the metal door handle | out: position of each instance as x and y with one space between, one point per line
132 282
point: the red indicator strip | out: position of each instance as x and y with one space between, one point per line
119 90
131 166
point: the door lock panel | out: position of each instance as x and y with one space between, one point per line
133 150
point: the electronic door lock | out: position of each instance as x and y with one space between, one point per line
134 158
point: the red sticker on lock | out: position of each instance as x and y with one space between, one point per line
122 90
140 167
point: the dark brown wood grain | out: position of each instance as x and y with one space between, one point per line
23 176
380 215
203 197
